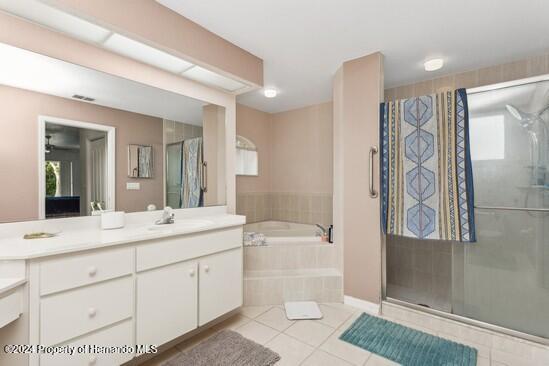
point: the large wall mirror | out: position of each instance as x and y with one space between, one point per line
76 141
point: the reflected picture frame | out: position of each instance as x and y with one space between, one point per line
140 161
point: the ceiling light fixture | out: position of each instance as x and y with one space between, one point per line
433 64
270 93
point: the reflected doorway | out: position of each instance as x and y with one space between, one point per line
76 174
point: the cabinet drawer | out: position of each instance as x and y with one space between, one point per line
118 335
68 272
76 312
178 249
10 307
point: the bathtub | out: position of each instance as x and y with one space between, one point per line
281 232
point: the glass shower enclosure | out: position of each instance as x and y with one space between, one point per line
502 279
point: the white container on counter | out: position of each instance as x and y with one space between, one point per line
112 220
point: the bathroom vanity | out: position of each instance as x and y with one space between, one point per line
140 285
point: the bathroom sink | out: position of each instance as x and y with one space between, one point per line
182 225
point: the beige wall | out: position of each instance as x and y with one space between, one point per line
256 126
168 30
302 150
532 66
358 90
295 165
19 111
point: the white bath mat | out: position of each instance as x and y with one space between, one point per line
299 310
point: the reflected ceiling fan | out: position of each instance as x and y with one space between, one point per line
49 146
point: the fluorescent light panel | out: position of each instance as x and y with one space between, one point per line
205 76
144 53
56 19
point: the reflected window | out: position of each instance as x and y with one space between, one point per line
487 136
246 157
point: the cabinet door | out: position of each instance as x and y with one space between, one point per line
220 285
166 302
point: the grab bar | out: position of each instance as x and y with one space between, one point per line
373 192
204 177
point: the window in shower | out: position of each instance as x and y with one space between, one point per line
503 278
487 136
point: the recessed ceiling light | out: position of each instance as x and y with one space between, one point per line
270 93
433 64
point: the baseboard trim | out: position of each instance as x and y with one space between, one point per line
366 306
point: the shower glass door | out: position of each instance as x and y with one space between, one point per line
503 279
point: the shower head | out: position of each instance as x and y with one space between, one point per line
515 112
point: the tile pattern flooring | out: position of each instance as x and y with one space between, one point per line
302 342
316 342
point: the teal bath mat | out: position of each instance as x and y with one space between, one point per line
407 346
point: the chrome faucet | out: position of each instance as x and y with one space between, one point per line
324 231
168 217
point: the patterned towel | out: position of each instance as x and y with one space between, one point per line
426 174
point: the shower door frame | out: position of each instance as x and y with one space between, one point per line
450 316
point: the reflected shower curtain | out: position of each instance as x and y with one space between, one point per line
191 177
426 175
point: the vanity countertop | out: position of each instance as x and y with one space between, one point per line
68 241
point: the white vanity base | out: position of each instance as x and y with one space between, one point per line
125 299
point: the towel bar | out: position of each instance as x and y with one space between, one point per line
533 209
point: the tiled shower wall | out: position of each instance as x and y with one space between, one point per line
305 208
420 271
533 66
177 131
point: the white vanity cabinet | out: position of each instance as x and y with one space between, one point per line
137 293
220 284
167 302
185 282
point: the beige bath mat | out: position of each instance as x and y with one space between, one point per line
226 348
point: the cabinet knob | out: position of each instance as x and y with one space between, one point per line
92 270
93 360
191 272
92 312
206 268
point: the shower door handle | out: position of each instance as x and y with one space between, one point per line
373 192
204 178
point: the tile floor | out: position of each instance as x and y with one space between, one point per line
303 342
310 342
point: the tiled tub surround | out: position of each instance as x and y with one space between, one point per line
291 271
304 208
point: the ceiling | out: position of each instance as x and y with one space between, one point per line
68 137
28 70
303 42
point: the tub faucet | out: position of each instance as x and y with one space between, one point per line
324 231
168 217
